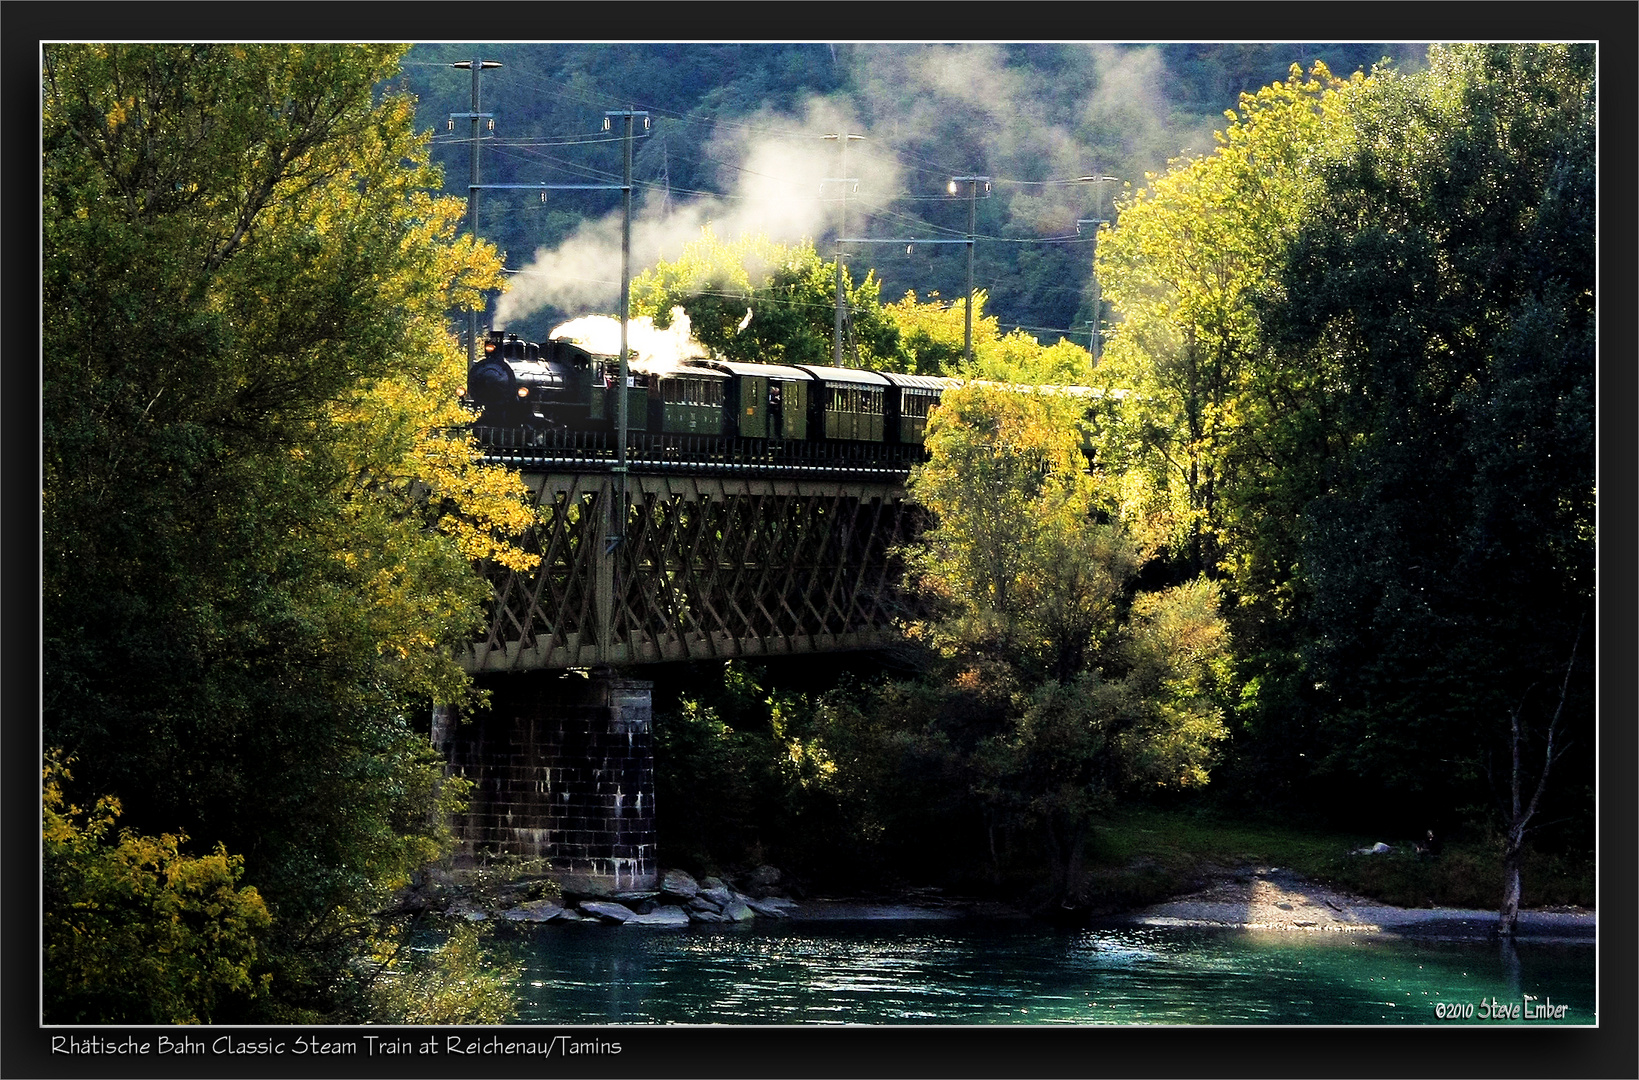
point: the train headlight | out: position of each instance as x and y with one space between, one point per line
523 391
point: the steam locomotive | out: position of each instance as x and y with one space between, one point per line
561 386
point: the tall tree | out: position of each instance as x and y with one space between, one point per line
1445 281
1193 256
260 510
1032 574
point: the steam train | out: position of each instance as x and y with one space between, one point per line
561 386
564 394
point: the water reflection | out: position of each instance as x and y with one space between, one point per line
958 973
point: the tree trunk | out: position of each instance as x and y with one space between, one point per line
1519 816
1512 856
1073 865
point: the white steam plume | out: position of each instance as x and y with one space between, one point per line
775 187
600 335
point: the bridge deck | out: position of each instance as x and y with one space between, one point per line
695 455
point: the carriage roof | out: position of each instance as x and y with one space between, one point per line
849 376
920 382
766 371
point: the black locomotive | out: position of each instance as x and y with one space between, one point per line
559 386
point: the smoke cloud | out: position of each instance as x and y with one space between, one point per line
1069 110
777 182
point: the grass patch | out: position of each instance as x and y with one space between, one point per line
1141 856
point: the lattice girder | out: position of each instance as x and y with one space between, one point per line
711 567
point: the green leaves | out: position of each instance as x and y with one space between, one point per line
1446 279
789 293
1006 481
261 508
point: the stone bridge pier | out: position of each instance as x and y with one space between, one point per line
562 767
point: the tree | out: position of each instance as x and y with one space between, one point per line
1445 282
1146 718
260 508
1030 573
1019 568
932 336
932 332
755 301
1188 264
134 928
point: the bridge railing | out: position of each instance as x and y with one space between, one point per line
658 453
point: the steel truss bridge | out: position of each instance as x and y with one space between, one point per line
731 548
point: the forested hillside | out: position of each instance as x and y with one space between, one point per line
736 141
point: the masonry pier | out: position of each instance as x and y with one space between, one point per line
562 766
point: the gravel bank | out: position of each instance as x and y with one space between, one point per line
1270 898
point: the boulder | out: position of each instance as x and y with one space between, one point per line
678 885
465 909
702 903
707 917
712 883
608 911
570 915
736 910
533 911
668 915
718 894
763 907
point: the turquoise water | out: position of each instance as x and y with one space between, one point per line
973 973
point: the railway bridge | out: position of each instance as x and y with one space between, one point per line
701 550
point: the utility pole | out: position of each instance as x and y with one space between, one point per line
475 116
842 139
972 183
622 402
615 508
1098 291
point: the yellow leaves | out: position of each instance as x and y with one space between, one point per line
137 925
118 112
413 428
418 511
1014 551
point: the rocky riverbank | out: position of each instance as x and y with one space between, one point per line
678 901
1258 898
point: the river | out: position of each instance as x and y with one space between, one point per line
931 972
